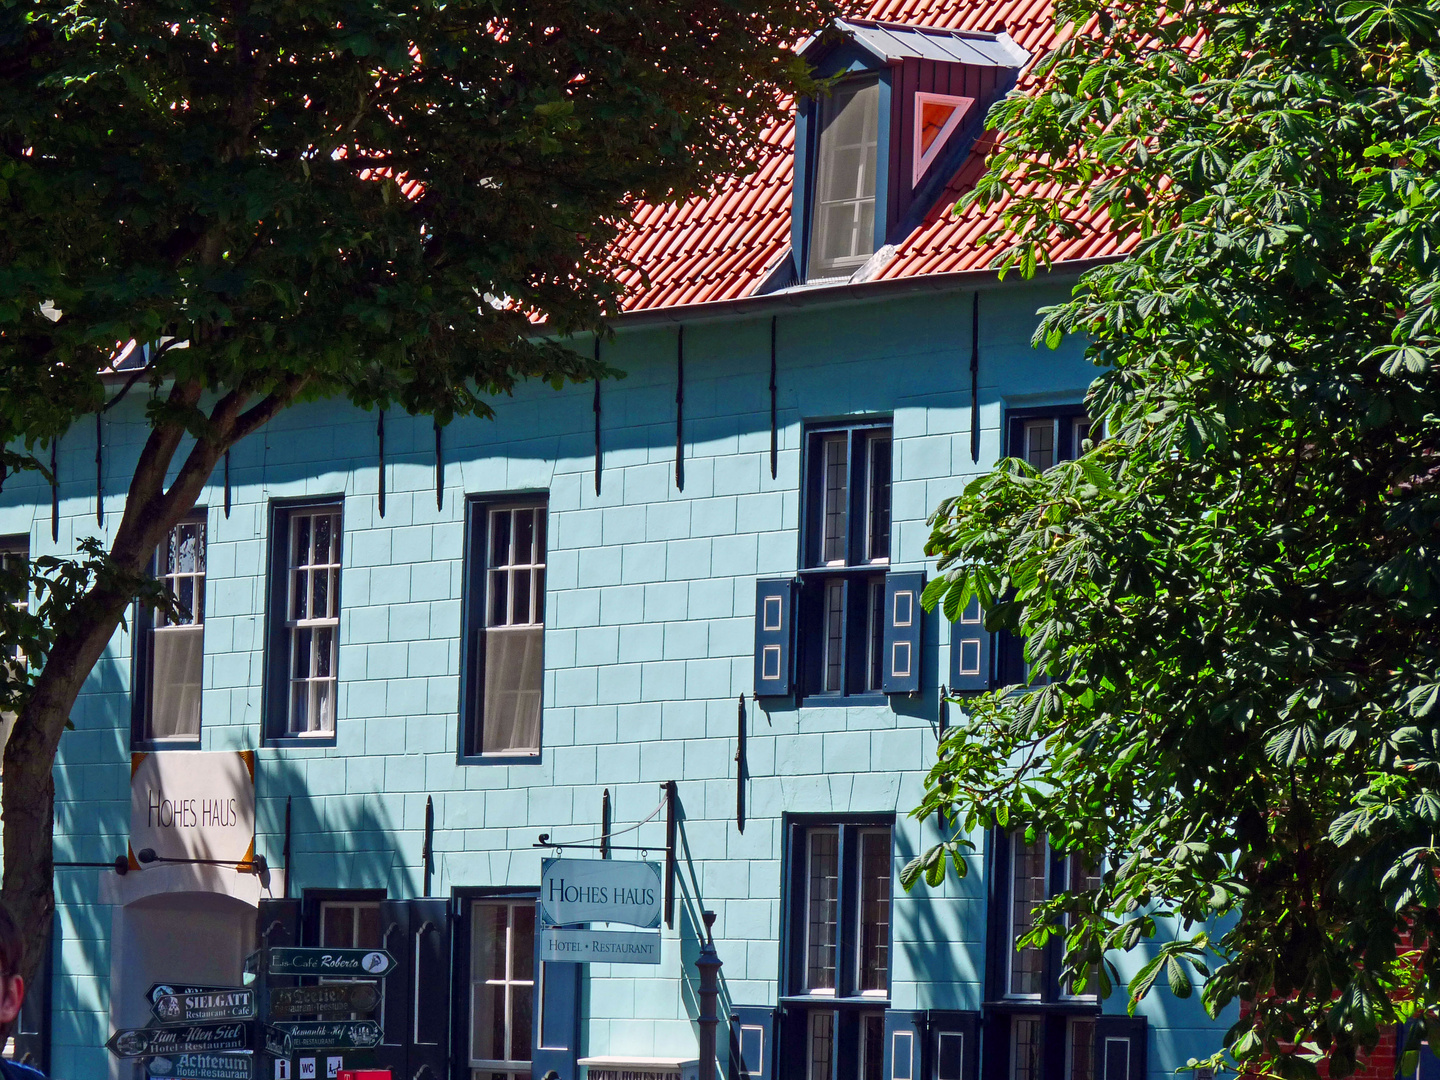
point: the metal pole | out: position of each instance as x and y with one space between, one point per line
428 851
605 824
709 966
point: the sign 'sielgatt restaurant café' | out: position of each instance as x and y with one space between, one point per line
674 617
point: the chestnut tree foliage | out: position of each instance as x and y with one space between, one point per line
369 200
1231 602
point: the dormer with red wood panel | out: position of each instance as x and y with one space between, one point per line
872 157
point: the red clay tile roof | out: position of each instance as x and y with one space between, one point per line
720 247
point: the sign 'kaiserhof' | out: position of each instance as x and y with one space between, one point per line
193 804
600 890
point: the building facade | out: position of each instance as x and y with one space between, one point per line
674 614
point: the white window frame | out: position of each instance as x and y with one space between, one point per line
536 568
162 624
516 1069
826 112
294 626
810 833
1070 1024
871 470
886 833
355 907
1011 931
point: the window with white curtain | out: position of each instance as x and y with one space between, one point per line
505 646
175 650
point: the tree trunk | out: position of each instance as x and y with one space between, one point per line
27 795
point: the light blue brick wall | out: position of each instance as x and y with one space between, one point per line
648 646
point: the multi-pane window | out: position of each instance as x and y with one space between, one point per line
1045 437
1080 1048
303 648
505 663
846 555
15 593
173 652
846 162
313 619
822 909
1042 438
352 924
838 978
1029 885
1060 1042
502 989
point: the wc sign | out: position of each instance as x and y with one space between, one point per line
600 890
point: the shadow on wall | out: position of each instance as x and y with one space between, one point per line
337 841
691 904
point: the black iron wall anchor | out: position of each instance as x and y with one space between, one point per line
672 808
100 468
680 410
380 438
227 481
439 469
55 490
596 407
740 769
285 850
605 824
774 424
975 377
427 851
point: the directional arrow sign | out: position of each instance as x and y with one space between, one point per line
202 1067
277 1043
230 1004
167 1042
331 1034
159 990
376 963
322 1000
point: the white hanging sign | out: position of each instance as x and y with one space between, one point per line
599 890
598 946
193 804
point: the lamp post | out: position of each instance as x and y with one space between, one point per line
709 965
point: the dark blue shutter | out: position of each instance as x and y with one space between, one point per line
32 1027
970 650
752 1042
556 1039
904 1045
774 636
953 1045
1120 1048
902 632
430 936
1429 1064
396 988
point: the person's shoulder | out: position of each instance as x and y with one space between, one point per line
13 1070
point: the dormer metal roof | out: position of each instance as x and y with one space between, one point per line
889 42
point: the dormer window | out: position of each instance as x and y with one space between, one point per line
849 139
873 157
